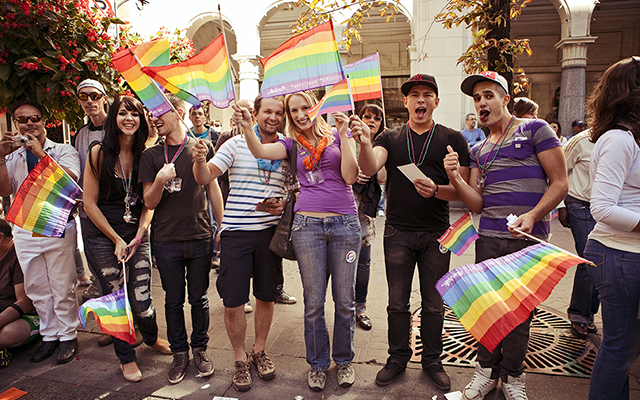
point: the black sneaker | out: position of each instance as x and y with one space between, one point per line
178 366
438 376
202 361
388 373
5 357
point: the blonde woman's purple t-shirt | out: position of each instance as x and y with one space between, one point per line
332 195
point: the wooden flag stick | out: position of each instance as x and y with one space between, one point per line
553 246
226 49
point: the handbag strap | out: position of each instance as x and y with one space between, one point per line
293 161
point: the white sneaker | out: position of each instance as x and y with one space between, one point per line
248 308
514 388
480 384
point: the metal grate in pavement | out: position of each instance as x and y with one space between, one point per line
552 349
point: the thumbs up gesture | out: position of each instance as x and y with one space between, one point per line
452 164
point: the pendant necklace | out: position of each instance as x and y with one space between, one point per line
175 183
130 198
480 179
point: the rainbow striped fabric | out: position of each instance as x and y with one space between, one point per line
306 61
493 297
459 235
45 200
152 53
205 76
112 313
554 213
337 98
364 78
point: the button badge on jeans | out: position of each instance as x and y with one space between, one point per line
351 256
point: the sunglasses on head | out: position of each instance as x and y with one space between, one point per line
375 118
94 96
33 118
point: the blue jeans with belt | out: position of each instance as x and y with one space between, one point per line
327 247
187 262
402 251
584 297
617 278
100 253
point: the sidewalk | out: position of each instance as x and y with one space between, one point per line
95 373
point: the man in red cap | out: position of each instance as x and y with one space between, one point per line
417 215
508 175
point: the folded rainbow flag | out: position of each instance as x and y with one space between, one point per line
153 53
205 76
112 313
337 98
554 213
493 297
45 200
306 61
364 78
459 235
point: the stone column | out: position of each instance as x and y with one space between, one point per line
248 75
572 88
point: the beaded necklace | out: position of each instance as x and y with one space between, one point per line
126 183
485 166
425 146
166 150
312 161
266 165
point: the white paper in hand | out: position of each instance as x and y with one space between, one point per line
411 172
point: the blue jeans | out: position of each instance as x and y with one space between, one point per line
327 247
402 251
99 251
508 356
362 279
177 261
617 278
584 297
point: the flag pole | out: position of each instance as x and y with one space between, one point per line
226 49
528 236
161 91
126 297
384 112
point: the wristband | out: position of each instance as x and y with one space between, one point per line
17 308
139 240
436 191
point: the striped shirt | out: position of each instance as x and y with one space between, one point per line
515 181
248 186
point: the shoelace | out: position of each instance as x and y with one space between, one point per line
516 390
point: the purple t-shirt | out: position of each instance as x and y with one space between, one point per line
332 195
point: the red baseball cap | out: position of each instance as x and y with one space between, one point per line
419 79
471 80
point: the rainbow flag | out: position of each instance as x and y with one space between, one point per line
45 200
113 314
459 235
493 297
153 53
337 98
364 78
205 76
306 61
554 213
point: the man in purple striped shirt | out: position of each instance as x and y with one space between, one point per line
518 169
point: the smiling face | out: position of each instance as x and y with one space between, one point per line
421 101
269 117
490 102
127 121
33 128
297 108
166 123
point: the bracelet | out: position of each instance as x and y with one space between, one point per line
139 240
17 308
436 192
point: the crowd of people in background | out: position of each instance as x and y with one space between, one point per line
158 192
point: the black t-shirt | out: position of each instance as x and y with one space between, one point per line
10 276
180 215
406 209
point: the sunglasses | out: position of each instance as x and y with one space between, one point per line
94 96
34 118
374 118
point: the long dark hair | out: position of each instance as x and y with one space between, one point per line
616 99
109 149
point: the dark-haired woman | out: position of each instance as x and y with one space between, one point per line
614 243
118 222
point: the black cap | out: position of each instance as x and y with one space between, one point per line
577 122
419 79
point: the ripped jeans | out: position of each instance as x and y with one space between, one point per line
100 254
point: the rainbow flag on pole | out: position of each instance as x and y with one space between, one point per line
493 297
152 53
306 61
205 76
337 98
45 200
459 235
364 78
112 313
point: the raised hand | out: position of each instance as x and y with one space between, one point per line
359 130
199 151
452 164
